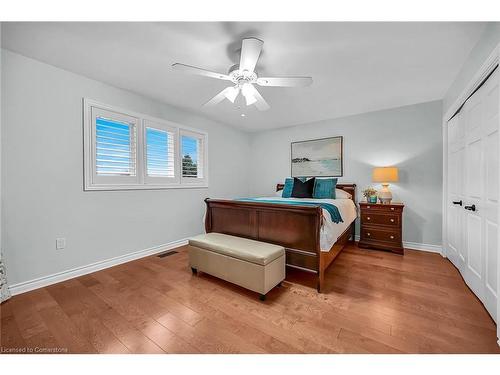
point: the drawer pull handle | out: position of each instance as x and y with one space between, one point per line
392 237
368 218
368 234
392 208
367 206
392 220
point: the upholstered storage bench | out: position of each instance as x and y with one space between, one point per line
253 265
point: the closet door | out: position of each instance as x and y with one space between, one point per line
481 193
474 190
472 193
491 177
455 200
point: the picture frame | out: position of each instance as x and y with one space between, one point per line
322 157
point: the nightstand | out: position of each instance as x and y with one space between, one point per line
382 226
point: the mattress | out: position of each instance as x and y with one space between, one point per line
330 231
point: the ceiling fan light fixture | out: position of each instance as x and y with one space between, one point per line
232 93
249 97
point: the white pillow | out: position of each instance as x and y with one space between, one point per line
341 194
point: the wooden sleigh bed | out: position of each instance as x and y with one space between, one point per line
297 228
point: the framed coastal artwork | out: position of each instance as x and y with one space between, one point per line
317 158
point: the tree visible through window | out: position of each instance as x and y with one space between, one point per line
190 149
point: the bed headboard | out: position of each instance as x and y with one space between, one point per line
349 188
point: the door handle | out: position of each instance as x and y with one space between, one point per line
472 207
458 202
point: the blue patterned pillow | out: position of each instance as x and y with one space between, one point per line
287 189
324 188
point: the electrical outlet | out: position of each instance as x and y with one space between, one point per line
60 243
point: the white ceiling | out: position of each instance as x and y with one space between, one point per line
356 67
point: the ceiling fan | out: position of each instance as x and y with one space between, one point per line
244 76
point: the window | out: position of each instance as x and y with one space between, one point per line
124 150
115 148
160 153
192 151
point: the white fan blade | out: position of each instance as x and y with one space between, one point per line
250 52
285 81
201 72
261 104
218 98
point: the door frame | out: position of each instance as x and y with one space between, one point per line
485 69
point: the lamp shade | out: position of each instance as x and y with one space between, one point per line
385 174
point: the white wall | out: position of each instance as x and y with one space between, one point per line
407 137
487 42
42 175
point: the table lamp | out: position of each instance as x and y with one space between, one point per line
385 175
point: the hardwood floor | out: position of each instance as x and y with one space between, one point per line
374 302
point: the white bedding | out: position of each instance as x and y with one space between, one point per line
330 231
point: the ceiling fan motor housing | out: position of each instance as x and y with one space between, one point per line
241 77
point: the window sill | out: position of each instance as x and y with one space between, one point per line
145 187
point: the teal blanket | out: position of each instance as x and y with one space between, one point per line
331 208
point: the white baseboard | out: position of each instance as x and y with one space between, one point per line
418 246
40 282
422 246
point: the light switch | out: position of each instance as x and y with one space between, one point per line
60 243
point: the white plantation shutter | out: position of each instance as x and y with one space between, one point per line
127 150
201 157
160 149
114 141
115 147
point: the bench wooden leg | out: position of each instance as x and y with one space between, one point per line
194 270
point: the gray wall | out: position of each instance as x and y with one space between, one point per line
487 42
42 170
42 167
1 208
407 137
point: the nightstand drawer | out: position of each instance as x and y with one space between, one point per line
368 234
381 207
380 219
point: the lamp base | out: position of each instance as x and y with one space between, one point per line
385 195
